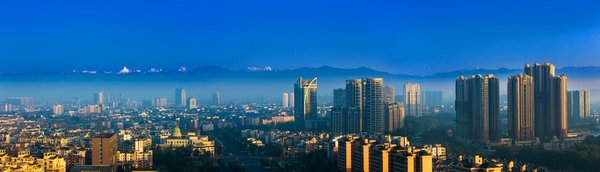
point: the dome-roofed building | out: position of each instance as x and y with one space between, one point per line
176 132
190 139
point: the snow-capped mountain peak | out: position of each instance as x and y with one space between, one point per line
259 69
125 70
182 69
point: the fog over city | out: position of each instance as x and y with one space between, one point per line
241 85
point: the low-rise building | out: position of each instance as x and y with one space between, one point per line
25 162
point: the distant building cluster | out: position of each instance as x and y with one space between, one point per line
479 163
294 144
366 105
24 161
578 104
394 153
102 137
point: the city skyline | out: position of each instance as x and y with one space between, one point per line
362 126
299 86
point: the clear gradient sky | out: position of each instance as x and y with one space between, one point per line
412 37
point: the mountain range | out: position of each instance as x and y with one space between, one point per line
202 81
215 72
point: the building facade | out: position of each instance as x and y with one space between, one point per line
393 117
359 153
389 94
412 99
521 108
578 104
339 97
550 94
104 150
373 105
180 97
192 103
285 100
477 107
305 92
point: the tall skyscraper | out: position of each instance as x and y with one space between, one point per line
412 99
578 104
494 107
559 104
521 107
217 99
104 150
192 103
366 96
305 95
393 117
354 94
477 107
373 105
180 97
338 123
354 100
292 102
339 97
348 108
550 94
99 98
285 99
389 94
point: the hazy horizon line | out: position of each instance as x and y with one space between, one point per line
250 69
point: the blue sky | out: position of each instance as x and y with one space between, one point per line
412 37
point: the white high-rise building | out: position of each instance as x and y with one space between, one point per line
192 104
578 104
412 99
285 100
7 107
160 102
58 109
